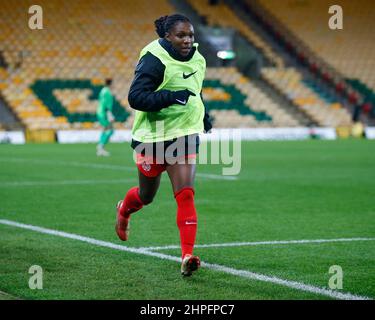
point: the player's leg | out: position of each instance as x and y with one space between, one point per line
134 200
100 146
104 137
182 178
148 187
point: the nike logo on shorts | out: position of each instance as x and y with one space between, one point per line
187 222
185 76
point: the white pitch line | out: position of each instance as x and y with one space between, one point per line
236 272
216 176
69 163
287 283
240 244
106 166
61 182
96 242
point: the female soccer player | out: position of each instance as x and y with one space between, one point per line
169 117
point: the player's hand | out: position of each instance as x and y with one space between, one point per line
207 123
182 96
110 117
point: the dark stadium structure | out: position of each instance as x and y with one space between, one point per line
270 63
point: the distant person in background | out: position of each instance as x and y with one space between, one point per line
105 117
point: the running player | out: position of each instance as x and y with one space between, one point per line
170 114
105 117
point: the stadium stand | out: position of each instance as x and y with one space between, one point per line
289 80
323 110
342 59
255 109
350 50
220 14
82 43
44 81
50 78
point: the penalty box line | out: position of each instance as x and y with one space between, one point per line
236 272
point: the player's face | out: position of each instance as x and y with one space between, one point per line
182 37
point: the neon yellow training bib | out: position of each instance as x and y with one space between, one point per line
176 120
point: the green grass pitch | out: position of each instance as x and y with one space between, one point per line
301 190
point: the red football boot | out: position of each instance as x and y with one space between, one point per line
122 224
189 265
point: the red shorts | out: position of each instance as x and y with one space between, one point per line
150 168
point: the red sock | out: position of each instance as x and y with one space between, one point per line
132 203
186 219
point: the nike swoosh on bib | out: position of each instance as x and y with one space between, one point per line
182 102
185 76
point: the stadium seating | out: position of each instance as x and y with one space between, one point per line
324 111
220 14
258 109
289 80
54 75
350 50
85 41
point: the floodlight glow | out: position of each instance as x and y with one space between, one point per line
226 55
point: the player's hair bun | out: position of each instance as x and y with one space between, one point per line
160 26
165 24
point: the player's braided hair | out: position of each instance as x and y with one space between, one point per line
166 23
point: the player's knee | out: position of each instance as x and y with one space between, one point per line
185 196
146 198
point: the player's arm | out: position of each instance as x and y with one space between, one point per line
149 75
108 106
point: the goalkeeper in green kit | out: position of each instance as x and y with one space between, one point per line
105 117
